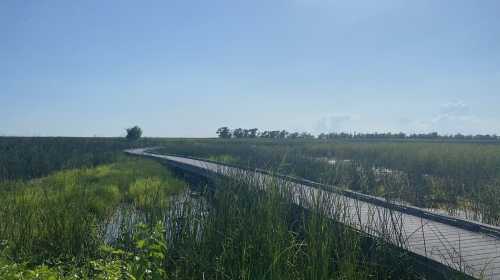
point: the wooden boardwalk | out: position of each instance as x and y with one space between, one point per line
465 246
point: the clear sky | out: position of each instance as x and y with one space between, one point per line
185 68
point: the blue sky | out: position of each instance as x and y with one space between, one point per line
185 68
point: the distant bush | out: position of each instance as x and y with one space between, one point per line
134 133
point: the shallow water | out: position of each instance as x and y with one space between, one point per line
125 218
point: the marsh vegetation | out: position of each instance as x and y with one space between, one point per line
458 178
56 226
130 218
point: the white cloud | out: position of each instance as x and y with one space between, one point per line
449 118
456 117
455 108
336 123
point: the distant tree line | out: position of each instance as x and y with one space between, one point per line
227 133
401 135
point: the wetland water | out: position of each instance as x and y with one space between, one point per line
381 173
180 207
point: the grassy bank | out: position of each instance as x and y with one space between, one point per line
34 157
64 216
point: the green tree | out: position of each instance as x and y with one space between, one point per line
239 133
134 133
224 132
252 133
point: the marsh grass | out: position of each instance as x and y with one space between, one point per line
63 216
34 157
242 227
255 228
459 178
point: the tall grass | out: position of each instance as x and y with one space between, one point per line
252 232
34 157
461 178
242 228
63 216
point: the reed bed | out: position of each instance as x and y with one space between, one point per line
461 179
134 219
